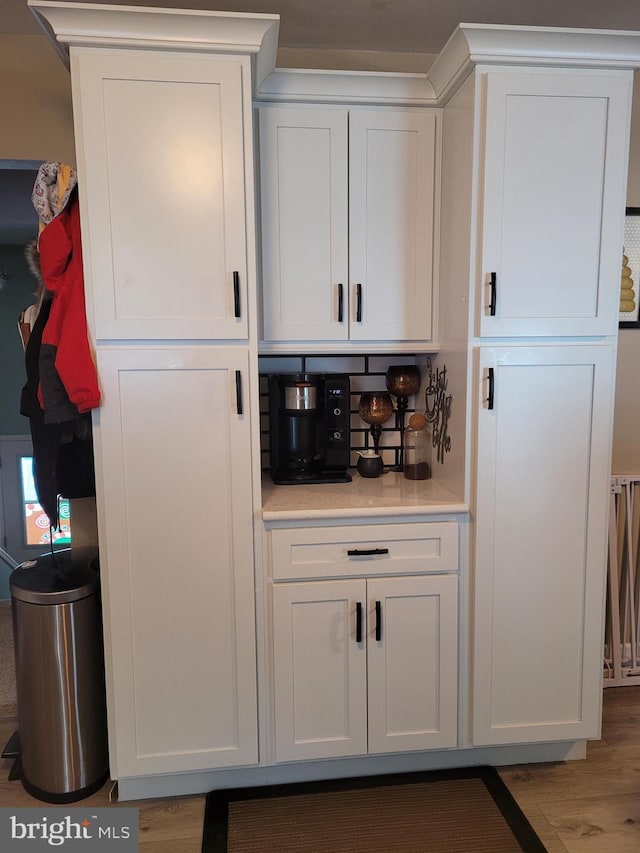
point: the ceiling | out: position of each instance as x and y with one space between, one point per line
390 26
414 26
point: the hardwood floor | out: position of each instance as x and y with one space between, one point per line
590 806
166 826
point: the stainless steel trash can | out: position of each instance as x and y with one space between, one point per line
57 632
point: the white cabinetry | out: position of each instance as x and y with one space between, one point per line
365 664
178 562
544 426
348 199
165 154
545 163
554 185
162 161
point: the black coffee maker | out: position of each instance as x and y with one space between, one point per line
309 428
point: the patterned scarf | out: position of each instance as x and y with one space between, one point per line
53 186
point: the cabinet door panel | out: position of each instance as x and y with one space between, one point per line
413 668
303 156
392 157
319 670
178 576
554 172
164 231
540 551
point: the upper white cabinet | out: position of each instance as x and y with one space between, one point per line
348 201
553 186
304 214
161 146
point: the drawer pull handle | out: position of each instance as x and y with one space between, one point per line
236 294
340 303
367 552
358 622
358 303
491 379
378 621
494 294
239 392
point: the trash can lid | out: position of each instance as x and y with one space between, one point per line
56 579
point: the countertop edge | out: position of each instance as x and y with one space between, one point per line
364 512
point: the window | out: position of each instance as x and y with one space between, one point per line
25 528
36 529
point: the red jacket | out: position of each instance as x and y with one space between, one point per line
66 330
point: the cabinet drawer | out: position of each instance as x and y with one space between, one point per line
315 552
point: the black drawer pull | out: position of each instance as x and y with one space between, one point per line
367 552
239 392
491 388
358 303
340 303
358 622
494 295
236 294
378 621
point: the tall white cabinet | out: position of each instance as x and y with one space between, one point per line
543 172
165 161
162 149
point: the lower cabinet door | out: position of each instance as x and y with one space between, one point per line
365 666
412 653
320 669
543 482
175 514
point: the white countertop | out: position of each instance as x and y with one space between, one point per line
390 494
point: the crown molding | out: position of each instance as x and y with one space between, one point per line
353 87
87 24
486 44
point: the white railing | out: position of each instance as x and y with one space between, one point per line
622 631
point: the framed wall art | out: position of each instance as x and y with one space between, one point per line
629 316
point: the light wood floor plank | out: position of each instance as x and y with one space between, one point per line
187 845
596 824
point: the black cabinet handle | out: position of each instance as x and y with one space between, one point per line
239 392
340 303
358 622
367 552
236 293
491 389
492 300
378 621
358 303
